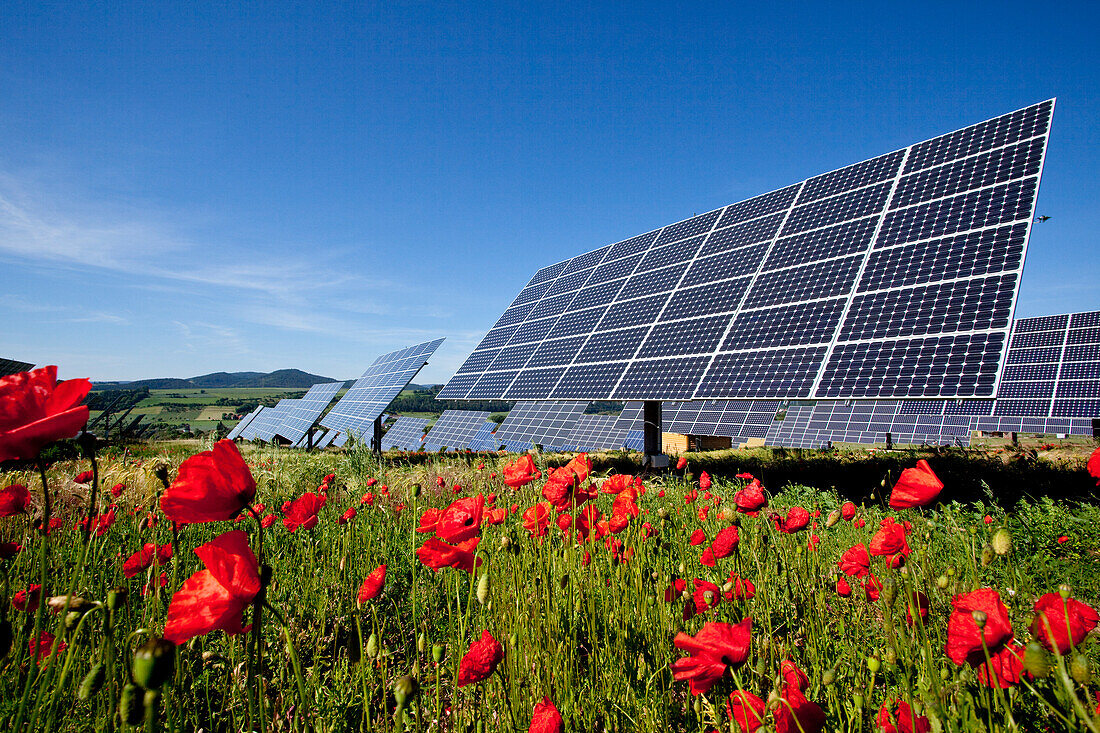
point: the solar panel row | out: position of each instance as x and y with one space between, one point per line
301 416
406 434
11 366
455 429
240 426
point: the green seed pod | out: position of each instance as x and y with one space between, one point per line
116 598
873 664
1002 541
72 618
372 646
828 678
483 588
980 618
833 518
987 556
6 638
1036 660
941 582
416 490
951 571
1065 591
890 655
404 690
857 701
889 591
1079 669
130 704
945 673
513 640
437 653
152 703
154 663
92 682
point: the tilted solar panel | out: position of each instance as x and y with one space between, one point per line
484 440
10 366
455 429
736 419
340 439
407 434
539 423
273 418
324 439
300 418
236 431
372 393
249 430
596 432
894 277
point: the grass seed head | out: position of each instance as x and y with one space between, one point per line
1002 541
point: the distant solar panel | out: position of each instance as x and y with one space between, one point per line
596 432
539 423
372 393
407 434
894 277
273 418
236 431
455 429
249 430
483 439
300 418
737 419
635 440
10 366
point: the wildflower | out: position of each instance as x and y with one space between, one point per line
916 487
14 500
8 550
903 721
302 512
917 602
215 598
681 464
496 516
117 489
964 637
742 588
145 558
855 561
481 661
848 510
429 520
347 516
371 482
437 554
704 481
618 482
797 519
35 410
212 486
545 718
368 499
43 646
373 584
796 713
1063 539
746 709
536 519
267 521
691 496
675 590
843 589
725 542
1062 623
562 488
872 587
706 595
440 482
521 472
750 500
890 542
83 477
715 648
1004 668
461 520
27 600
1093 465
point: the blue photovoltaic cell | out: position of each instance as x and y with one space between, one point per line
894 277
596 432
455 429
405 434
301 417
539 423
372 393
236 431
635 440
248 432
483 439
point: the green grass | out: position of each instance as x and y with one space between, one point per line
597 637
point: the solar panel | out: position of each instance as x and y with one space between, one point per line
483 439
273 418
635 440
236 431
596 432
301 417
1040 425
340 439
894 277
10 366
324 439
249 430
372 393
407 434
455 429
736 419
539 423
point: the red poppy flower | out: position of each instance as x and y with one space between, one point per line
521 472
35 410
8 550
14 500
586 520
848 510
496 516
154 583
872 587
347 516
83 477
618 482
917 602
28 599
855 561
796 714
964 638
793 676
481 661
368 499
890 542
536 520
437 554
715 648
215 598
675 590
212 486
681 464
373 584
1063 539
440 482
267 521
144 558
843 589
704 480
1093 465
725 542
1005 667
703 512
43 646
302 512
742 590
371 482
746 709
750 500
901 721
117 489
691 496
916 487
797 519
461 520
706 595
328 478
428 520
1061 624
545 718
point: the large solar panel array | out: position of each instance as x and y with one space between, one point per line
737 419
815 425
10 366
273 418
455 429
596 432
236 431
372 393
407 434
548 424
248 432
894 277
484 440
301 416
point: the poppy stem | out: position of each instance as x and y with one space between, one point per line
293 655
43 561
87 443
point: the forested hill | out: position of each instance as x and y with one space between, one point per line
282 379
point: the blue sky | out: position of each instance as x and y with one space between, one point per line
271 185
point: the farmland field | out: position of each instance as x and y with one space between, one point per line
587 604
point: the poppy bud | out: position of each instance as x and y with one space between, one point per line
857 701
980 618
437 653
873 664
421 641
1002 541
404 690
415 490
1065 591
941 582
513 640
889 591
130 704
154 663
833 518
116 598
483 588
987 556
828 678
890 655
152 702
72 619
6 638
92 682
1079 669
160 470
1036 660
57 604
372 646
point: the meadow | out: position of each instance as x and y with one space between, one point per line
624 611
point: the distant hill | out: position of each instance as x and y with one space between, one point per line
283 378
